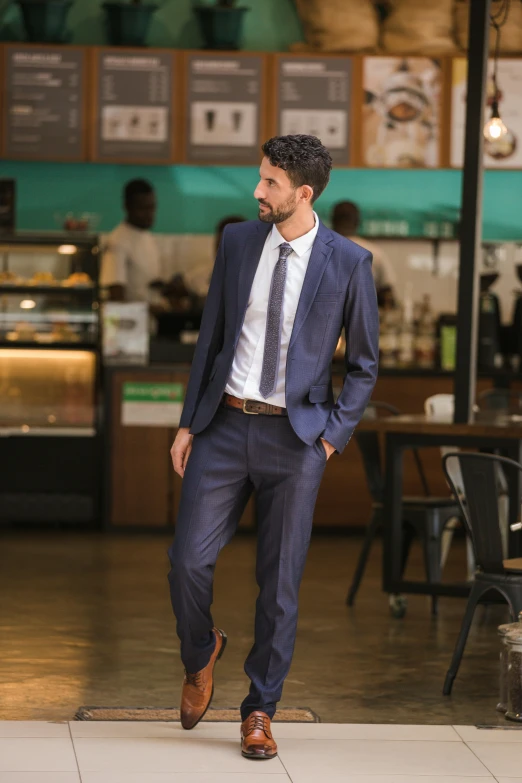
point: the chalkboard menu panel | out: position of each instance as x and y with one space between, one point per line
313 97
133 106
225 108
44 114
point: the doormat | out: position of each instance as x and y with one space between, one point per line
498 727
214 714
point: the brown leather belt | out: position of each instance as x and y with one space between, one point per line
253 407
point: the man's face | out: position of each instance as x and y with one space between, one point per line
141 211
277 197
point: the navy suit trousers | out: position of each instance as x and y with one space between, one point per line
235 455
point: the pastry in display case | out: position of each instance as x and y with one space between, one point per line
48 291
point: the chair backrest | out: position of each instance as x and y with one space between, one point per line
478 499
370 448
500 400
442 406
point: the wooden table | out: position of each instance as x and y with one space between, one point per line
487 431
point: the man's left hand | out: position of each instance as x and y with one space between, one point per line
328 448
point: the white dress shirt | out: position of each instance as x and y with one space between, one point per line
245 375
131 259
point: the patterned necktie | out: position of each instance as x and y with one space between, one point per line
274 321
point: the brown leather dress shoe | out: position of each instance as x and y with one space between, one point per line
256 737
198 688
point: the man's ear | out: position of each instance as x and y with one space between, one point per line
307 193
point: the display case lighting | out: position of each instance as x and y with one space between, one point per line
67 250
27 304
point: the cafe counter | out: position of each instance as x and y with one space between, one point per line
142 491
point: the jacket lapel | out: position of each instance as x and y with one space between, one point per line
247 271
319 257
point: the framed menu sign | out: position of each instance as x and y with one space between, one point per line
132 112
225 107
44 103
313 97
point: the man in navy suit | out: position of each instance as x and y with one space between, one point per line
260 415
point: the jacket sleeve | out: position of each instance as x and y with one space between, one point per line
361 324
210 340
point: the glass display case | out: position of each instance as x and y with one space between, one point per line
49 379
49 291
52 390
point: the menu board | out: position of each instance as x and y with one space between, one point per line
133 106
506 152
401 112
44 103
225 107
313 96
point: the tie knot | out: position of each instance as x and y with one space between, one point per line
284 250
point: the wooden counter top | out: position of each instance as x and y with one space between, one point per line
485 424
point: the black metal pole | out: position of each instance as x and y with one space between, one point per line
471 213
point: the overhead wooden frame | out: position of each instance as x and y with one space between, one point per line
224 100
135 106
41 141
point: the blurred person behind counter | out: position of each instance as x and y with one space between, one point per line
345 220
130 262
197 277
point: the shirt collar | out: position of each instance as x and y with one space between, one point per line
301 245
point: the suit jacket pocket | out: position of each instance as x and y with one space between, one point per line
318 393
327 297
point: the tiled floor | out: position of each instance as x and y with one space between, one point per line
32 752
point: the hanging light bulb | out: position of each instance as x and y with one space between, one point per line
494 129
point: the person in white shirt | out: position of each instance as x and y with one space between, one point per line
260 415
197 277
130 261
345 221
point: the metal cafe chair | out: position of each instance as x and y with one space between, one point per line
478 501
435 406
498 400
424 517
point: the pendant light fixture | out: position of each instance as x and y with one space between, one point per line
494 129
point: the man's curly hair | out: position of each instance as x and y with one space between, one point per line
304 158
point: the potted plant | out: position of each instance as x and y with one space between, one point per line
45 20
221 24
128 21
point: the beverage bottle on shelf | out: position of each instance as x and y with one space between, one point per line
426 338
407 331
389 334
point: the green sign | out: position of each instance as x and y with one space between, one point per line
151 404
152 392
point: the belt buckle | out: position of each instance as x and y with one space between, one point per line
250 413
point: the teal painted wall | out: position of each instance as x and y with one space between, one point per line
193 198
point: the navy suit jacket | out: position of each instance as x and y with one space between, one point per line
338 290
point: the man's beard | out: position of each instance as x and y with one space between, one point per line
280 214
